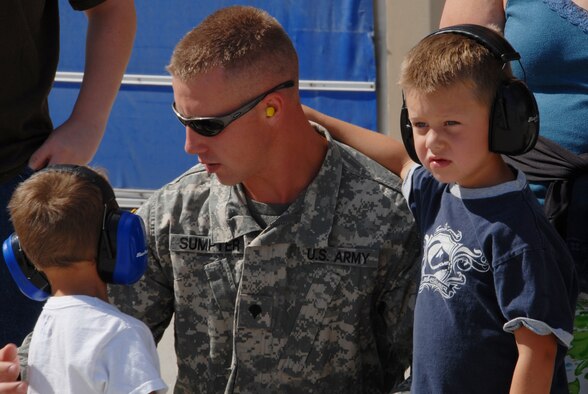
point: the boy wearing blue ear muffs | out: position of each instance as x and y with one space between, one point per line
80 343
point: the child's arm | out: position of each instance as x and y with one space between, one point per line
534 369
383 149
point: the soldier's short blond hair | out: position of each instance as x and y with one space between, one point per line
238 39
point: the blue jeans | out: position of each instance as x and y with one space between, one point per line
18 314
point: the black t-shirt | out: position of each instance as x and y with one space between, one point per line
29 45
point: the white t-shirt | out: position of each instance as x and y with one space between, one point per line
84 345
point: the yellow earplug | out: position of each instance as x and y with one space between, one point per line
270 111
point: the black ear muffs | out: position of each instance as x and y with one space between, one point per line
514 117
122 249
406 133
514 120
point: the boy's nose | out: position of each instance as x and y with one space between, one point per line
433 140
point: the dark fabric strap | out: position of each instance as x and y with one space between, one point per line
549 162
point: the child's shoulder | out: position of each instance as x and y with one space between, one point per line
419 186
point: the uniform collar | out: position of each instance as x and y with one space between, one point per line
307 222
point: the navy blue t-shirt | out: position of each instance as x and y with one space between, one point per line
491 263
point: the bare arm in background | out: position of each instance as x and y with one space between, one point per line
481 12
110 36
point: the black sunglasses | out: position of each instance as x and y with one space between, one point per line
209 126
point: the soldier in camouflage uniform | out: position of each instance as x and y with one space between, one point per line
287 260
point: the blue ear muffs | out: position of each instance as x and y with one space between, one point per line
129 251
122 249
32 283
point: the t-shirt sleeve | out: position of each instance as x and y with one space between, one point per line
407 183
131 363
533 292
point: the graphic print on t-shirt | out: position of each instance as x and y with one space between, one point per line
445 261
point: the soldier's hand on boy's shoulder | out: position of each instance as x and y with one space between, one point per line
9 371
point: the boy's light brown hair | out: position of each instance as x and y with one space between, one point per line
58 218
245 41
443 60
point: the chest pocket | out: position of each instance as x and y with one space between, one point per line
219 315
312 313
222 284
190 251
334 310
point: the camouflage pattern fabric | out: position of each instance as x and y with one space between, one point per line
319 301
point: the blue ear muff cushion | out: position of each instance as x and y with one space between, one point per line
39 291
131 250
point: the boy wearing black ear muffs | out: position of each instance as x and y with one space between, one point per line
70 240
496 298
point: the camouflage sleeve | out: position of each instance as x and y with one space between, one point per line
23 357
398 277
151 299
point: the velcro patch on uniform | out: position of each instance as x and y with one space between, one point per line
203 244
350 257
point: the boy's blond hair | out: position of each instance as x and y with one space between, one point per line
241 40
58 217
442 60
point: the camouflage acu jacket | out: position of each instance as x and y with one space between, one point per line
319 301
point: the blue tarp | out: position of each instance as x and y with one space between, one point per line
143 144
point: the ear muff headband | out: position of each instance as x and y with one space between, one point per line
122 249
514 117
486 37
